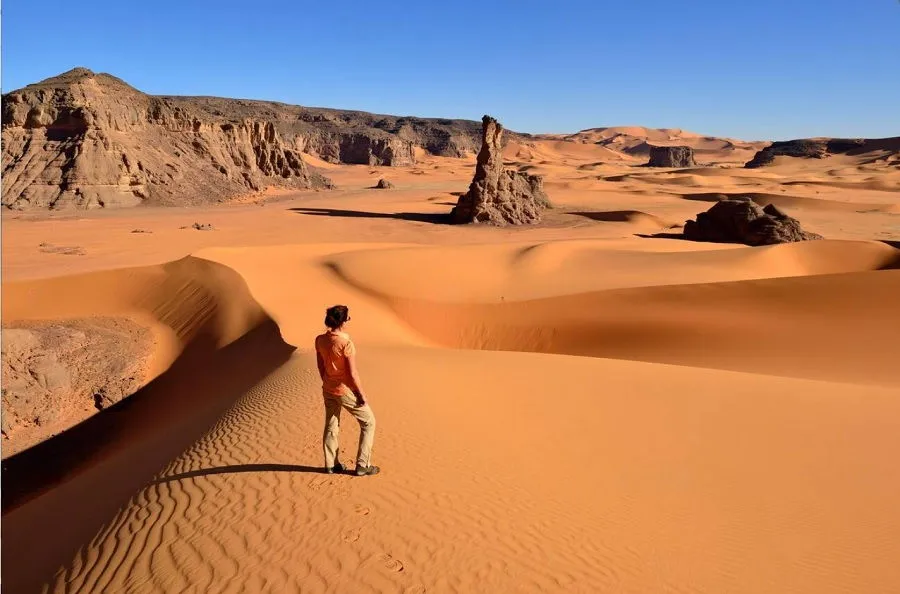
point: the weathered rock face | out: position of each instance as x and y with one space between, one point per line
805 148
499 196
56 374
372 148
820 148
354 136
671 156
85 140
744 221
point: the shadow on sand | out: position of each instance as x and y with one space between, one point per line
418 217
238 468
663 235
611 216
79 479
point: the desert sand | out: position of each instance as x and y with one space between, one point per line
576 406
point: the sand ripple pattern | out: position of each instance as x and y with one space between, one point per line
237 513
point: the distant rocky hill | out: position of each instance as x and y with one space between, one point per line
887 149
638 141
88 140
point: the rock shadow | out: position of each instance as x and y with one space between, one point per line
418 217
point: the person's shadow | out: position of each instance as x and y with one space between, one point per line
242 468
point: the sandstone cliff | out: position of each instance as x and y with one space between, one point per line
87 140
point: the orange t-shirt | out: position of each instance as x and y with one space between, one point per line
334 348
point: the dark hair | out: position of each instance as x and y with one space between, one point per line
336 315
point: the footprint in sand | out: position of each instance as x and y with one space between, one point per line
362 510
395 565
351 535
318 483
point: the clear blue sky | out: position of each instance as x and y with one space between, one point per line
763 69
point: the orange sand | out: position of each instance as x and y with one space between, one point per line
564 408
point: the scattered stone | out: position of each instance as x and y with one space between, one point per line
744 221
384 184
200 227
671 156
48 248
140 231
499 196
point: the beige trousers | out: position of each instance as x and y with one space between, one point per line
365 417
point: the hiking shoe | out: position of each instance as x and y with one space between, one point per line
367 470
337 468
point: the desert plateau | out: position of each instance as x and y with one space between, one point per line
623 359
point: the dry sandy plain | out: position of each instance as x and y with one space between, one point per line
572 407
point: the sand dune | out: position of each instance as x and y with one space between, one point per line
730 414
618 517
634 142
464 446
212 325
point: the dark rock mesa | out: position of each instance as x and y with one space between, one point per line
499 196
744 221
820 148
671 156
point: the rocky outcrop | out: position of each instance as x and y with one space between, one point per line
441 137
56 374
744 221
671 156
805 148
384 184
820 148
371 148
85 140
355 137
499 196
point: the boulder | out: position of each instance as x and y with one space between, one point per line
384 184
499 196
744 221
671 156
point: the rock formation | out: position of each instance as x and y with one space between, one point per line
820 148
384 184
499 196
86 140
56 374
671 156
744 221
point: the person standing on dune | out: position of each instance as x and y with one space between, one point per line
336 358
